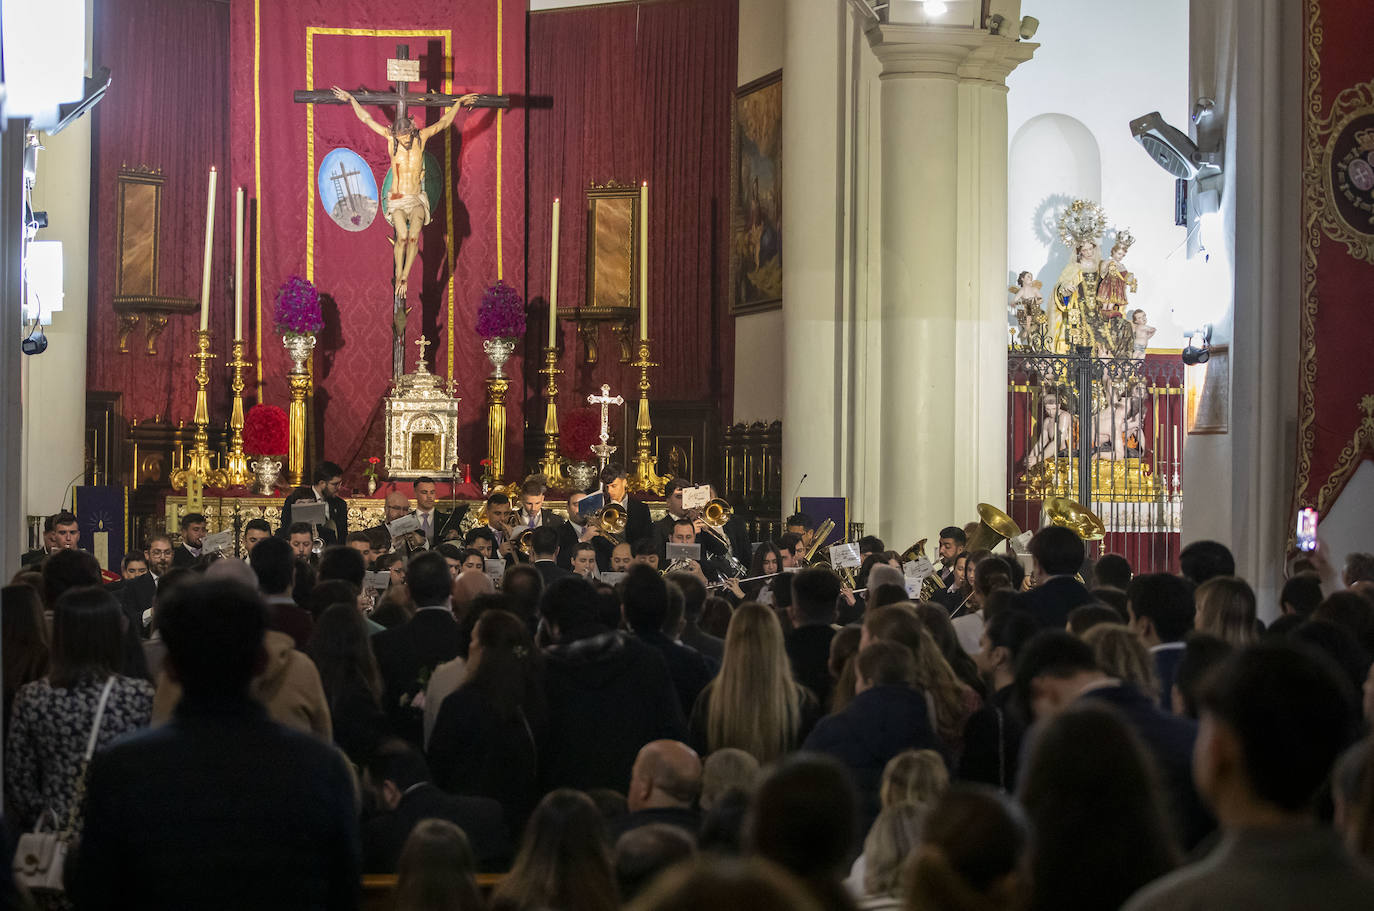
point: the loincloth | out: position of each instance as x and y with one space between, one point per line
407 204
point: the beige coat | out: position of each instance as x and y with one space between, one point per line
289 687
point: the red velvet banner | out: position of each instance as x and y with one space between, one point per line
631 92
477 231
1336 395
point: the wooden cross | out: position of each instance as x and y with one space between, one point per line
605 400
342 187
405 71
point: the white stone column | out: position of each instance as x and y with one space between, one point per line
813 113
942 442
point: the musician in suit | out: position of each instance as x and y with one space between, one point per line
532 513
407 654
575 531
434 522
615 489
952 541
60 532
1058 554
544 553
188 552
324 488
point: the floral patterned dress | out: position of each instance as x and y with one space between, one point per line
48 735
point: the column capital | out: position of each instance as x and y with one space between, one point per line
943 52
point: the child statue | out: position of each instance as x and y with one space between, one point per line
1112 333
1141 334
1029 308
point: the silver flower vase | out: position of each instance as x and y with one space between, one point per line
298 347
498 351
581 475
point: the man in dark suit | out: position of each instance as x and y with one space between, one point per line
532 513
1159 607
1058 553
324 488
407 654
615 489
812 611
644 604
434 522
575 530
544 554
60 532
664 785
399 775
1056 669
274 563
188 552
175 815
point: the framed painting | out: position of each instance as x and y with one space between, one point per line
756 196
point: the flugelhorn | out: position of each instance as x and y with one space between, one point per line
610 520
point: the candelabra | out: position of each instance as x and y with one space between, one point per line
236 462
196 474
496 425
551 466
645 476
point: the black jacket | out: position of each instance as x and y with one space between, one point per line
338 515
808 648
992 743
688 668
1050 602
220 808
639 523
183 557
608 694
551 571
472 751
480 819
877 725
406 656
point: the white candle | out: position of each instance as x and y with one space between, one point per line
644 260
209 244
553 280
238 265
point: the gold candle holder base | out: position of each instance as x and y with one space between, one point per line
551 466
645 476
196 474
236 462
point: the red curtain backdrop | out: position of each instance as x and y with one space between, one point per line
167 109
632 92
1336 405
476 234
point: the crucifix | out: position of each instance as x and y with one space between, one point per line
422 343
605 400
407 205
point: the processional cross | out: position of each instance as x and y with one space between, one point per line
605 400
407 207
422 343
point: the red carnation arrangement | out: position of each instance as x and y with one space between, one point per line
579 432
265 431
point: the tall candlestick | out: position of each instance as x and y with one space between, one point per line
644 260
553 281
238 265
209 244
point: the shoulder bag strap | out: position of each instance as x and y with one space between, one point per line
79 795
1001 750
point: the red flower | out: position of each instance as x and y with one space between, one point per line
374 461
580 430
265 430
486 462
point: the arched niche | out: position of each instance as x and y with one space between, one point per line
1054 159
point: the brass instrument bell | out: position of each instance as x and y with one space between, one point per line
610 520
994 527
1074 516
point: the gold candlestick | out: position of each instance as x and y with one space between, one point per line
196 473
236 463
551 466
645 476
496 425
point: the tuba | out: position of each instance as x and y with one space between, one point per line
994 527
1074 516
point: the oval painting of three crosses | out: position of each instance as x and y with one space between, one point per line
348 191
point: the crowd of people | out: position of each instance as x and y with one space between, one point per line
268 729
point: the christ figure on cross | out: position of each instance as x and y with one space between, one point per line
407 205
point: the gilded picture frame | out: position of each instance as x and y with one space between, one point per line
756 196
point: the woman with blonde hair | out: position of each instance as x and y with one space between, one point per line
951 700
914 776
1226 609
753 704
1120 654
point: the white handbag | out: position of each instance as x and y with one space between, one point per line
41 856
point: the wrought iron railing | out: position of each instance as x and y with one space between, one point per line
1108 433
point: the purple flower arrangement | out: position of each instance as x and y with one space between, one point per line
298 307
502 312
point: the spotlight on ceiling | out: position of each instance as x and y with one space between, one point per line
1029 26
